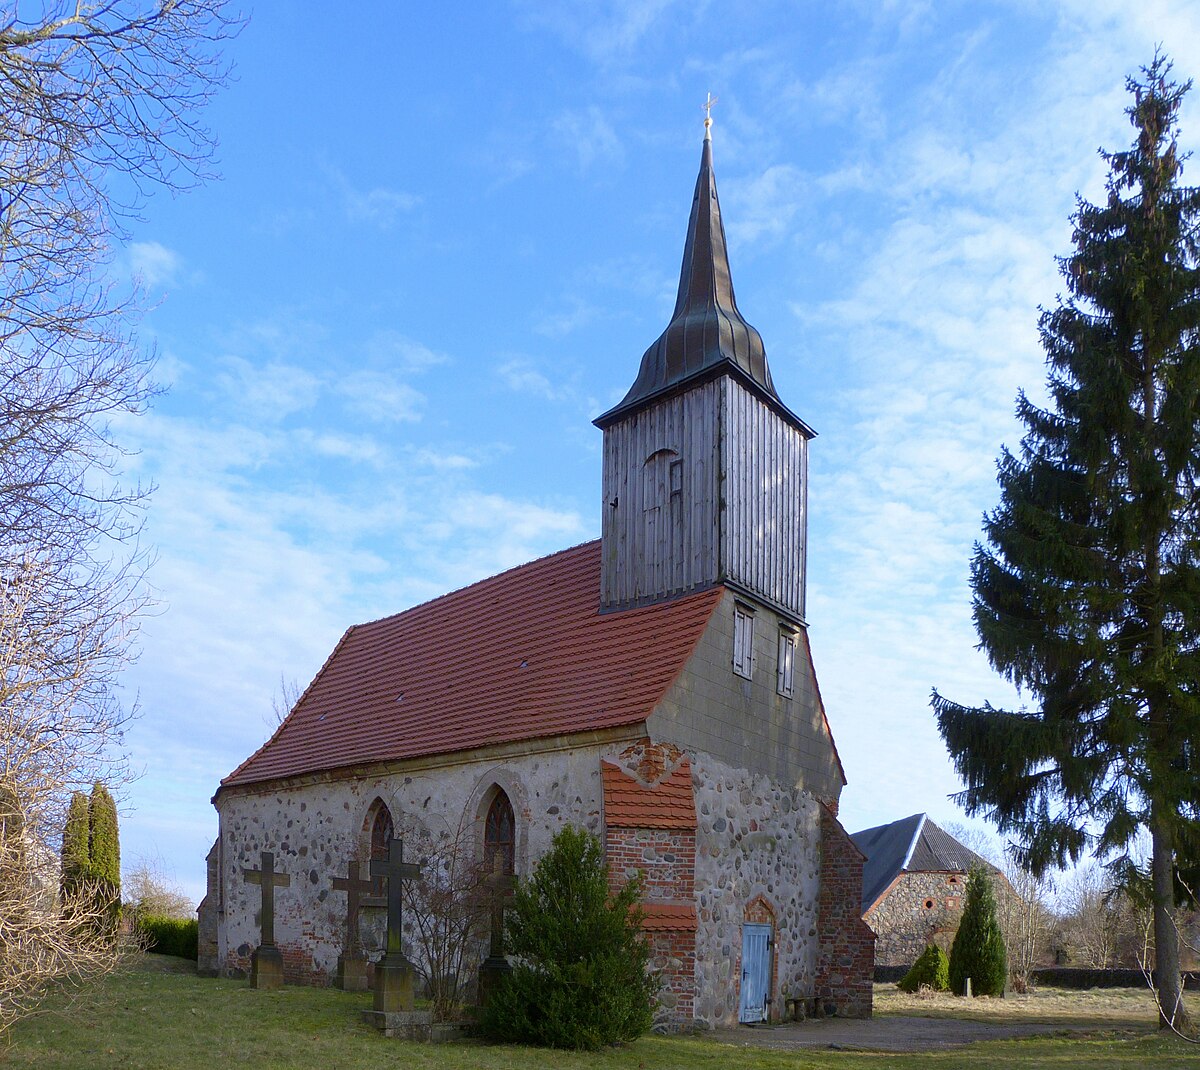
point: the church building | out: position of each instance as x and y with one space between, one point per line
655 687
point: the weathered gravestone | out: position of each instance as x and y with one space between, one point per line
393 1011
266 963
496 966
352 962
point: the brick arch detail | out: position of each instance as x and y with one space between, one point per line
760 911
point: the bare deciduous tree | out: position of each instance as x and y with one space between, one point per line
99 103
449 910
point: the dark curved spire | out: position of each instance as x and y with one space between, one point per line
707 331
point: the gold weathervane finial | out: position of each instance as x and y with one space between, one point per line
707 106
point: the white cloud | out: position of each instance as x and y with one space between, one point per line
379 206
521 375
154 265
591 137
395 350
271 391
380 396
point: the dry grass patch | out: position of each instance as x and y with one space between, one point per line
1099 1008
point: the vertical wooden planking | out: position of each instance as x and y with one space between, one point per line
660 538
763 529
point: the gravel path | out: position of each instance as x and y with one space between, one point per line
884 1033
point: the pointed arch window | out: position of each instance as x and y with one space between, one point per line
499 834
382 831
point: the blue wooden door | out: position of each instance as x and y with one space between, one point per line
756 972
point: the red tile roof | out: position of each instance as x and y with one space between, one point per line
518 656
669 804
668 917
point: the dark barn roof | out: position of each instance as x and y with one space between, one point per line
518 656
913 844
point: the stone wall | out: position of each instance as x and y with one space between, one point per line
315 829
208 916
917 910
755 841
846 966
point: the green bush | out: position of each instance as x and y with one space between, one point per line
978 948
580 976
170 936
932 969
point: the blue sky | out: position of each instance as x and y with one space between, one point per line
443 237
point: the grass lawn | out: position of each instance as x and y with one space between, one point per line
157 1014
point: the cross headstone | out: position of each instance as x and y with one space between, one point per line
393 972
499 885
395 871
266 963
357 887
352 962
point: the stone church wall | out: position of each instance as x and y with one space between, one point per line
314 830
757 848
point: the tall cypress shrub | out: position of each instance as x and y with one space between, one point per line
978 948
105 848
76 856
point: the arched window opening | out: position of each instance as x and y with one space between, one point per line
382 831
499 834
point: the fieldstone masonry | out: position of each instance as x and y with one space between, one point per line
315 829
755 842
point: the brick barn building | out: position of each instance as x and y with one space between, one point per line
654 686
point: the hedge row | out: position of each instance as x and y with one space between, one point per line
170 936
1080 977
1065 977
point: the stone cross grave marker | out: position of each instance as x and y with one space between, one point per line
495 966
500 888
395 871
266 963
393 972
357 887
352 962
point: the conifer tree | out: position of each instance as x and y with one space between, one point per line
76 858
1087 592
978 948
104 847
580 979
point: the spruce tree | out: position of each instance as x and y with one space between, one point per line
580 978
978 948
1087 592
104 849
76 858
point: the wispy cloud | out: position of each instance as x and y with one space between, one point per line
392 349
379 206
605 33
271 391
154 265
520 374
380 396
591 138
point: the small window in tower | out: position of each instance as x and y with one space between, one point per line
787 663
743 641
